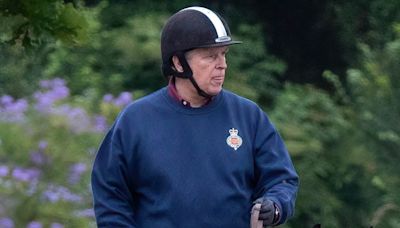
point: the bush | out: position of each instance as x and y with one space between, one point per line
47 145
335 184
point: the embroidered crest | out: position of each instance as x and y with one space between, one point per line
234 140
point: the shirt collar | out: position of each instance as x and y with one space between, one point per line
173 92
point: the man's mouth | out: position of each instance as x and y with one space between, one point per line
217 81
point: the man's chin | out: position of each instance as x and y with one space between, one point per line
215 92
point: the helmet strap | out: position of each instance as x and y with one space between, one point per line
188 74
199 91
187 71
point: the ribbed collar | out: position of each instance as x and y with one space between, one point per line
173 92
178 106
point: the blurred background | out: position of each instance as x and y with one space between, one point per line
326 72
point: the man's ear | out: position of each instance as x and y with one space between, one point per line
177 63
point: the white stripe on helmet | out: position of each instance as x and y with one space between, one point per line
215 20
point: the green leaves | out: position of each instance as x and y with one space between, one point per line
376 94
29 23
344 143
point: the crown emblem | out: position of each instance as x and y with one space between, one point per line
234 140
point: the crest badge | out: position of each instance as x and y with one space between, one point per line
234 140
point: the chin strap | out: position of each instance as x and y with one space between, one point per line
188 74
199 91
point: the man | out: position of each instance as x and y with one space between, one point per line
193 154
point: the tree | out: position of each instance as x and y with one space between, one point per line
314 36
376 93
32 22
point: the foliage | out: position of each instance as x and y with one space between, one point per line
344 142
376 92
23 65
314 36
373 20
253 72
19 72
30 23
47 145
334 185
129 58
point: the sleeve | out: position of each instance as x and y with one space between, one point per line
112 197
276 177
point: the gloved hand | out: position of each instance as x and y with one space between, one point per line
269 213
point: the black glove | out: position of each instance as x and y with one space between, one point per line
269 212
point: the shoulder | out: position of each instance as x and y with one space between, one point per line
143 106
245 107
148 101
234 99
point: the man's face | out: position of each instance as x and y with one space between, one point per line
208 66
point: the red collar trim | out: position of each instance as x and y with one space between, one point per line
174 94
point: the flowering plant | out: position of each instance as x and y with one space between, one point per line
47 146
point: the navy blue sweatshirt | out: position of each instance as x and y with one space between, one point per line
166 165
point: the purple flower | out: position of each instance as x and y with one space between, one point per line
123 99
43 102
54 90
60 92
51 196
76 172
108 98
6 100
52 83
88 213
26 175
56 193
68 196
21 105
6 223
9 105
100 124
33 185
12 111
42 145
34 224
79 120
45 84
3 170
38 157
57 82
56 225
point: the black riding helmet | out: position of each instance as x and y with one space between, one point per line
190 28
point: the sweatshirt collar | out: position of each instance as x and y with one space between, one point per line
173 92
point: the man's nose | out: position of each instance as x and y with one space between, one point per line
222 62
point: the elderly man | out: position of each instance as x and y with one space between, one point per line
193 154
